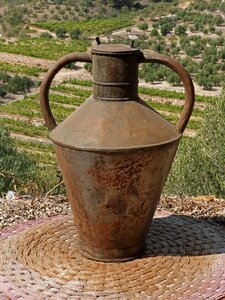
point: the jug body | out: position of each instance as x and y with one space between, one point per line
114 197
115 152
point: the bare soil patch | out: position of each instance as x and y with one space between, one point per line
27 207
30 138
79 73
26 60
198 89
40 30
185 4
207 206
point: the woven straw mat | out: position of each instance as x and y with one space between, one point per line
184 259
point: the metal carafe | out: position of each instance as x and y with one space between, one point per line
115 151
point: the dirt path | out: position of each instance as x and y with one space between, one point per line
185 4
79 73
14 97
166 86
33 121
190 133
34 151
64 74
30 138
26 60
40 30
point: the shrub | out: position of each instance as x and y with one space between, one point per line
4 77
71 66
165 29
75 34
212 29
154 32
222 53
143 26
219 32
19 84
173 78
16 168
60 32
204 81
45 35
180 30
199 167
88 67
205 30
3 91
119 4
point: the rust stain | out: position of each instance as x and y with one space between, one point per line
118 176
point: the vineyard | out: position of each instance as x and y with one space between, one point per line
42 47
90 27
21 69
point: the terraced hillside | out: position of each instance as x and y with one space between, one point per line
197 40
24 120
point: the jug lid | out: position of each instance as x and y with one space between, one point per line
114 49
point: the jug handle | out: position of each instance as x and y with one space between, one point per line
149 57
46 83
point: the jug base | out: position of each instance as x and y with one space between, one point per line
112 255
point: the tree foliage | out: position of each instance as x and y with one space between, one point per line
16 168
19 84
199 167
118 4
180 30
75 33
46 35
14 84
60 32
3 91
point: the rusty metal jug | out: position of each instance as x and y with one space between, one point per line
115 151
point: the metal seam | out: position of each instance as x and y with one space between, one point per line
115 83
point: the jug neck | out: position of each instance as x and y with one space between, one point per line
115 72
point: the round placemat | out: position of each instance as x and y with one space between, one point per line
184 259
